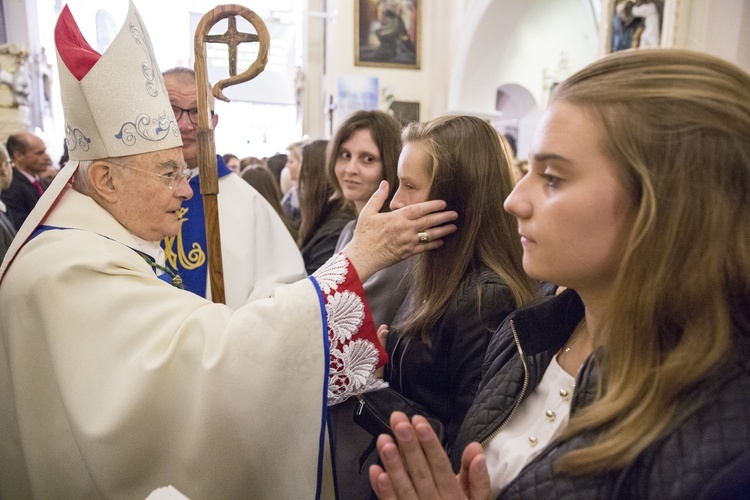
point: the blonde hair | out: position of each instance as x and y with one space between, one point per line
295 148
677 123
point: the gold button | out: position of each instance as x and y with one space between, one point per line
564 394
550 415
533 441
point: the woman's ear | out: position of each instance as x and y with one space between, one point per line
101 177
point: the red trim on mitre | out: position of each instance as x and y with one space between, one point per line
74 50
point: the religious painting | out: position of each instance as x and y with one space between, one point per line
405 112
632 24
387 33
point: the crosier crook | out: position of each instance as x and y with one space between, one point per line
209 182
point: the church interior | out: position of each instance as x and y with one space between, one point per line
496 59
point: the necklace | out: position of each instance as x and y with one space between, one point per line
574 338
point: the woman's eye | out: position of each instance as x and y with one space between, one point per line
344 155
550 180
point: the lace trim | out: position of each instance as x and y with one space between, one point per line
353 359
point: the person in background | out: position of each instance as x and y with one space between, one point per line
290 200
324 211
258 253
263 181
232 162
30 160
635 381
251 162
115 382
276 164
65 156
363 152
7 230
519 169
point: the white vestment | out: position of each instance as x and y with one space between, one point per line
258 253
114 383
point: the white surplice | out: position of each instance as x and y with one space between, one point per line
114 383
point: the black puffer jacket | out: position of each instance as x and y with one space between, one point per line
704 454
444 378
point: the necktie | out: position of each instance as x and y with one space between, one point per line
38 186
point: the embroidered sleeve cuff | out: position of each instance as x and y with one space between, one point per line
355 351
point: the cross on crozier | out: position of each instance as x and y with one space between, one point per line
232 38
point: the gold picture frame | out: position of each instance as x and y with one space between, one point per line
622 29
387 33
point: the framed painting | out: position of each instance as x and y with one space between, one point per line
632 24
387 32
405 112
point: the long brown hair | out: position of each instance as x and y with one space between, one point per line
469 169
386 132
677 123
264 182
317 196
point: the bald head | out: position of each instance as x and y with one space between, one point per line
28 153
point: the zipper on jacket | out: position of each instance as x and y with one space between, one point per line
523 388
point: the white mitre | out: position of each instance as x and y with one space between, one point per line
114 104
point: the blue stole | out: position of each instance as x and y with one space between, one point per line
186 252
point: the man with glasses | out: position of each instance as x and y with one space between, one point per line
114 383
258 253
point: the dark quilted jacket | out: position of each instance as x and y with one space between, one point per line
444 377
704 454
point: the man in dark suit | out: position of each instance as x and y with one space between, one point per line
30 158
7 231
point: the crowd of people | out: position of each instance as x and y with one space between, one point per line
578 323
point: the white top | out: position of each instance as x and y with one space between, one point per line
537 421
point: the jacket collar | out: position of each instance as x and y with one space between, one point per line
548 322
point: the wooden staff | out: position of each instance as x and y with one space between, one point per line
209 182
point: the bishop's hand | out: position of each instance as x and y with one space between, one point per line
383 239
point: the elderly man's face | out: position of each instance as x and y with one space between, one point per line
147 206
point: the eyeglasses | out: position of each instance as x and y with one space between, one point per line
192 114
171 178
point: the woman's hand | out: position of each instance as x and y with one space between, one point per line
382 239
422 468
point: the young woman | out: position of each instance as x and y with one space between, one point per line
460 293
324 212
364 151
636 200
290 200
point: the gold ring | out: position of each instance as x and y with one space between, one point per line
423 237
